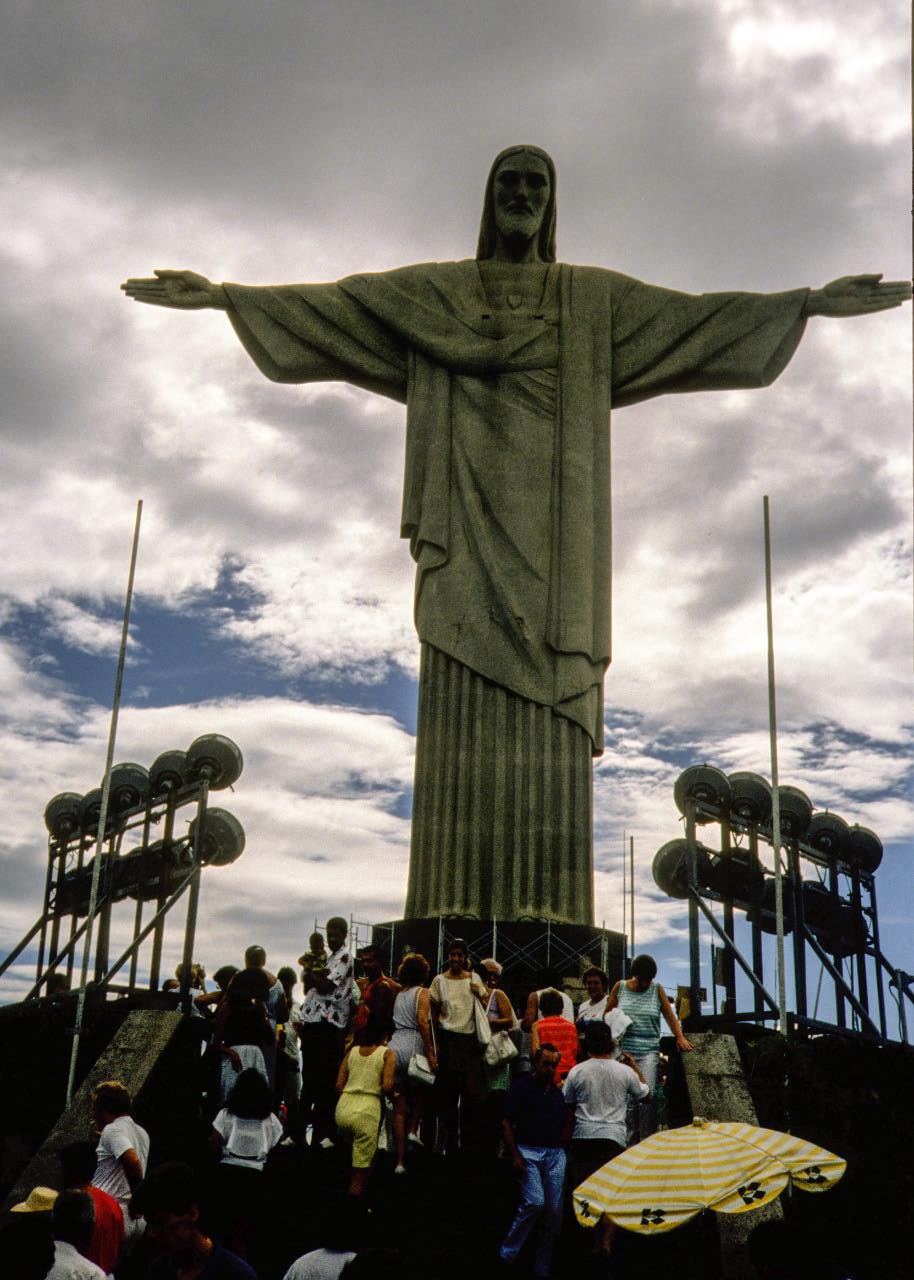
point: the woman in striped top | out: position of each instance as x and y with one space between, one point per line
643 1000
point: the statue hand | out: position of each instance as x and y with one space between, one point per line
185 290
857 296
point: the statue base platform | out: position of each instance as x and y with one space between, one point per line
533 953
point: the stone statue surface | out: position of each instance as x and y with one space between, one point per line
509 365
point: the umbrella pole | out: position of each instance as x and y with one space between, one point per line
775 799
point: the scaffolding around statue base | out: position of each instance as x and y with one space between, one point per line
526 949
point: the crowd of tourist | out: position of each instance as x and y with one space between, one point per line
424 1068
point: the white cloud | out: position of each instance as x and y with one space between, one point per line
802 66
317 801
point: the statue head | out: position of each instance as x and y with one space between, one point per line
517 202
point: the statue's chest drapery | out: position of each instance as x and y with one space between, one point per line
503 442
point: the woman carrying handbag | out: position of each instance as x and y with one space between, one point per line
500 1053
414 1046
455 996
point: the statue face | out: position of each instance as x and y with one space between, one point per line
521 191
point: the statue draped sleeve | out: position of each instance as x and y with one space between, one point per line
317 333
666 341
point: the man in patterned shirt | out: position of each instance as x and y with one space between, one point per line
325 1018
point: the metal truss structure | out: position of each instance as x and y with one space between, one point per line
830 919
157 871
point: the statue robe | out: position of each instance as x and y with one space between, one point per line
507 508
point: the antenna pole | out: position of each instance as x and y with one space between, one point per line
775 798
103 812
624 891
631 885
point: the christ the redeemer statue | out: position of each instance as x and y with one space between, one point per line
508 364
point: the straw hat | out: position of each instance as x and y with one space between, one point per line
39 1200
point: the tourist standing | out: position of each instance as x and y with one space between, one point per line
288 1057
122 1151
643 1000
599 1089
552 1028
500 1014
534 1127
461 1079
78 1162
412 1035
242 1032
365 1072
378 992
244 1133
325 1017
73 1220
549 980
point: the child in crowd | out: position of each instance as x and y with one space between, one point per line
314 961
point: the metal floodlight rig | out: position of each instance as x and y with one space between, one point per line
158 870
835 916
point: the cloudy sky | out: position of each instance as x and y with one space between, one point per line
701 144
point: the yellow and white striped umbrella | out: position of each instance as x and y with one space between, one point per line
710 1164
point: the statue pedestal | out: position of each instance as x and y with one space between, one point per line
527 949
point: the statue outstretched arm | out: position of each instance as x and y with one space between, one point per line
857 296
184 290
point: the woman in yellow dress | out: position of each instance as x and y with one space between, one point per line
366 1072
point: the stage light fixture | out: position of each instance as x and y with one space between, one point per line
704 783
167 772
750 797
216 759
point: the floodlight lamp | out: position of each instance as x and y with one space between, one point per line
829 835
670 867
167 772
702 783
90 809
795 809
221 838
864 848
61 815
129 786
215 759
750 797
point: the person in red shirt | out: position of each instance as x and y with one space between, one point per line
78 1161
379 991
552 1028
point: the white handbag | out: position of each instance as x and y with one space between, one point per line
483 1029
418 1067
500 1049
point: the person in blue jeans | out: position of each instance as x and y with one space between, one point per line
534 1123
